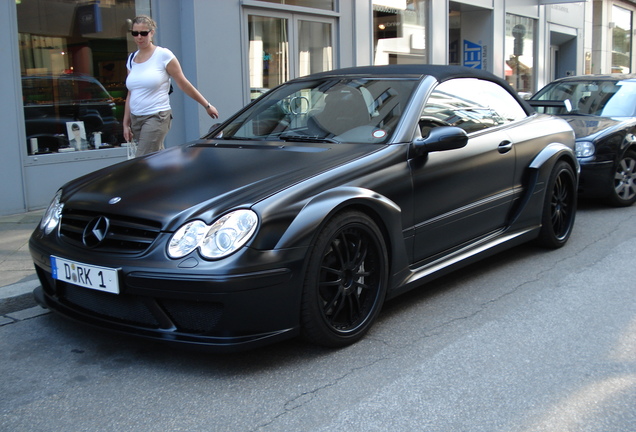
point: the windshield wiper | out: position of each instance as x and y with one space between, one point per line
306 138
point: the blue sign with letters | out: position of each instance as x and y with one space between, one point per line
473 55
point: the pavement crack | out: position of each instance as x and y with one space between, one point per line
306 397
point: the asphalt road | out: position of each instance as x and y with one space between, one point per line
525 341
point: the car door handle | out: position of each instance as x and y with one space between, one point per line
504 147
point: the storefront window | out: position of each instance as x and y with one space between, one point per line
621 40
316 4
72 63
399 35
519 67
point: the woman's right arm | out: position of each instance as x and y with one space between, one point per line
126 121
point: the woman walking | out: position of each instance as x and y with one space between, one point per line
147 114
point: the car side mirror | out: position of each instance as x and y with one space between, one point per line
442 138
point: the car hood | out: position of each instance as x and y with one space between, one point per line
590 126
182 182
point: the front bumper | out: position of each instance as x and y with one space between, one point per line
596 178
221 313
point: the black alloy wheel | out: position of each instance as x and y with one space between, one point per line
346 281
623 192
559 207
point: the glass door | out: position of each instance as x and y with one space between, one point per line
282 46
268 52
315 47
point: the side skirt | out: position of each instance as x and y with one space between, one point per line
491 245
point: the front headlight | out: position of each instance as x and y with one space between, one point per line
51 218
223 237
186 239
584 149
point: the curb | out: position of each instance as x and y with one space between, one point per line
18 296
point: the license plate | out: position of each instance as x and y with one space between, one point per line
85 275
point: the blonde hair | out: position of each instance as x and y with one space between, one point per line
146 20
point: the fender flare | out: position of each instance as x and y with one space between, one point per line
303 229
557 150
539 171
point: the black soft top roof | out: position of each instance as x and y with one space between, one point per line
439 72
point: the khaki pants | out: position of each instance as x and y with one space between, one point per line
149 131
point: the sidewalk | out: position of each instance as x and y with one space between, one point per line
17 275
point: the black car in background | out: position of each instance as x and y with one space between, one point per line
307 209
602 111
51 102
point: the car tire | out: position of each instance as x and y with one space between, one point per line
346 281
623 186
559 207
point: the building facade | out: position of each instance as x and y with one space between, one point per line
65 73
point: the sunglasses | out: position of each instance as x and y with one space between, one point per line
137 33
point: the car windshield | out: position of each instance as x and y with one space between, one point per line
601 97
353 110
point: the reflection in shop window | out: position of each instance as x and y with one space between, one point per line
621 40
399 35
519 67
72 63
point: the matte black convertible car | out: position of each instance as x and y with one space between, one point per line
306 210
602 111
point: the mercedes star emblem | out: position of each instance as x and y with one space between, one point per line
95 232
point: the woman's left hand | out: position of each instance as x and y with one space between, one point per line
212 112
